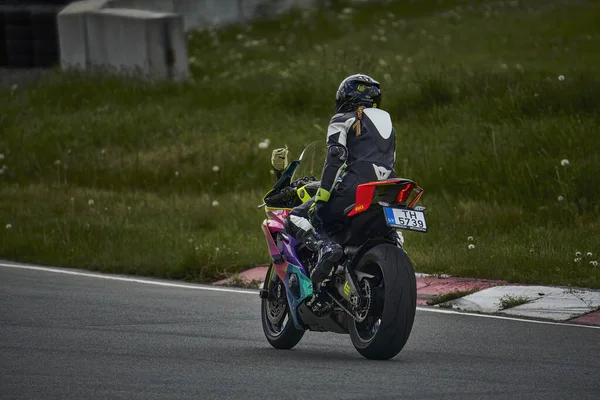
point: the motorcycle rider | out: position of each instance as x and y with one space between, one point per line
361 144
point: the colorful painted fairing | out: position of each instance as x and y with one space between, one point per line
276 216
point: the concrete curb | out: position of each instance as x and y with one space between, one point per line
541 302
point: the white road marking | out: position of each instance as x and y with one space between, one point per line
254 292
124 279
532 321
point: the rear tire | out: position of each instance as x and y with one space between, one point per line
399 288
284 336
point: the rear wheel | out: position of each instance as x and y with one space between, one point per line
385 330
275 315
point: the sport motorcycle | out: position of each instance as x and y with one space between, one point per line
371 293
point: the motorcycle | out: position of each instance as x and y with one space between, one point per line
371 293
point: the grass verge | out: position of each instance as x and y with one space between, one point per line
496 105
509 301
446 297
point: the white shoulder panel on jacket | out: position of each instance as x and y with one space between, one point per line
382 121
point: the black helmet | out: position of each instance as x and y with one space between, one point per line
355 91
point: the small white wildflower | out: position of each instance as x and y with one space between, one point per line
8 226
564 162
382 62
239 36
272 172
536 95
561 198
594 263
90 202
577 254
103 151
374 37
263 145
470 238
577 259
215 203
190 240
589 254
471 246
382 39
14 87
56 162
215 168
72 199
531 250
347 10
398 57
267 141
1 156
503 66
561 78
217 249
176 173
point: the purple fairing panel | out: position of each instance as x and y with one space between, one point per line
275 224
290 254
273 250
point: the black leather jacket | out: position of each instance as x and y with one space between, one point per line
370 147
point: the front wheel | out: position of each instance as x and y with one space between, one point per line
385 330
275 315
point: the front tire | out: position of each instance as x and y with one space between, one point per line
385 331
277 324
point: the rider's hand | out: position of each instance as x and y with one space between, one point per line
279 158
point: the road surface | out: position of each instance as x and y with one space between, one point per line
80 337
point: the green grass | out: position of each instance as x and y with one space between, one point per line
477 95
508 301
446 297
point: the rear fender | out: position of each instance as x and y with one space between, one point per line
369 244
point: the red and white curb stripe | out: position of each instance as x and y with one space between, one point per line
544 302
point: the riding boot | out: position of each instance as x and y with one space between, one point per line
328 253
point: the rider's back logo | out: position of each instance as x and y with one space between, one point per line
381 172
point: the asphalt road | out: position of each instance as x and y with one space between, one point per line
76 337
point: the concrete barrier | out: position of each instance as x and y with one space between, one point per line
95 36
148 36
144 42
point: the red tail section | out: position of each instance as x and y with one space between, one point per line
366 192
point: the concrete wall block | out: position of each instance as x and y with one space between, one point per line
150 5
72 32
136 41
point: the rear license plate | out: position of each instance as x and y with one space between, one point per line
406 219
